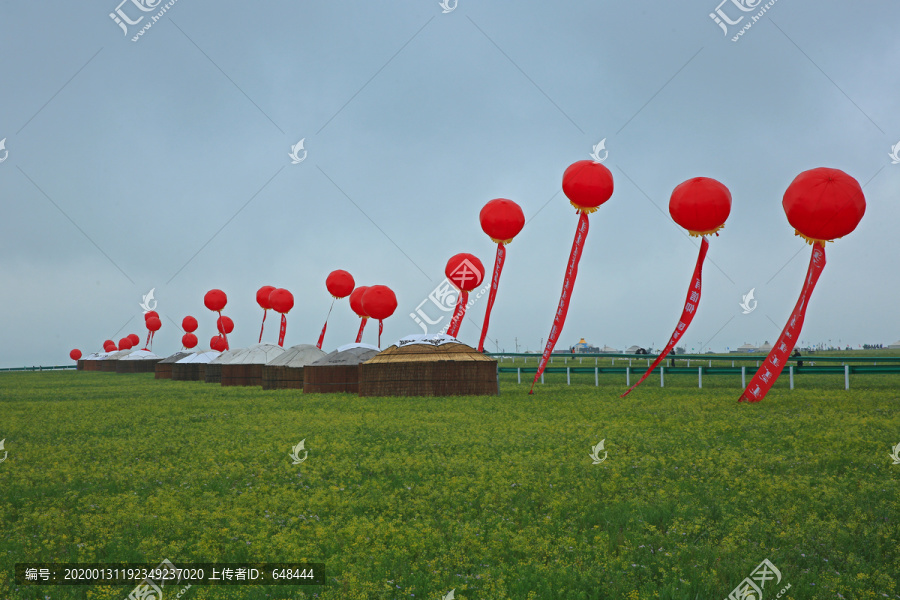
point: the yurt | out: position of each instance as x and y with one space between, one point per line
766 347
745 347
247 368
214 367
193 366
429 365
894 346
108 363
163 368
287 371
91 362
609 350
337 371
139 361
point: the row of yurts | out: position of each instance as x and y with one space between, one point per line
417 365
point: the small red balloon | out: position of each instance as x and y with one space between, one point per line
217 343
379 302
189 324
135 340
587 185
464 271
189 340
109 345
75 354
215 300
701 205
281 300
824 204
125 344
153 324
262 296
502 220
339 283
225 325
356 301
150 314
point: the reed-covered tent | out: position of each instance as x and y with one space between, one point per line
214 367
286 371
337 371
163 368
247 368
108 363
193 366
139 361
429 365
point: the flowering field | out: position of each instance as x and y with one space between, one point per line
492 497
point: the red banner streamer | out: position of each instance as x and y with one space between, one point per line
325 326
458 314
362 326
560 318
265 311
495 283
380 329
687 315
283 330
771 368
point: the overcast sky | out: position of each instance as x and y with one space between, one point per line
163 163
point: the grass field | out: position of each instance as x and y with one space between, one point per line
493 497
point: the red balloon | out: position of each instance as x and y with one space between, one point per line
824 204
339 283
217 343
379 302
75 354
700 205
109 345
135 340
150 313
215 300
153 324
189 340
281 300
502 220
189 324
125 343
464 271
587 185
224 325
356 301
262 296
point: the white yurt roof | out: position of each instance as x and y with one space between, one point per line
173 358
352 346
96 356
432 339
297 356
609 350
119 354
205 356
352 355
895 345
747 347
765 347
226 356
259 354
632 349
141 355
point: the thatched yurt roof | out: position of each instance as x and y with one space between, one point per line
193 366
429 365
139 361
285 371
163 368
246 368
338 371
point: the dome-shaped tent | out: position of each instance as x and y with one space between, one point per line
338 371
139 361
163 368
214 367
429 365
193 366
91 362
287 370
108 363
247 368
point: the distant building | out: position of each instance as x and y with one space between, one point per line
746 348
609 350
582 347
894 346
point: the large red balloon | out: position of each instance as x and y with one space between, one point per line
217 343
189 340
262 296
135 340
502 220
150 314
587 185
125 343
281 300
824 204
465 271
225 325
75 354
215 300
339 283
153 324
189 324
356 301
700 205
109 345
379 302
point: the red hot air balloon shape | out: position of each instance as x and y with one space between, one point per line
75 354
340 284
225 325
153 325
701 205
379 302
135 340
465 272
215 300
587 185
218 343
109 346
821 204
262 298
189 340
124 344
357 307
189 324
501 220
282 301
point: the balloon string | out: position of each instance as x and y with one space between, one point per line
265 310
495 283
458 314
362 326
325 326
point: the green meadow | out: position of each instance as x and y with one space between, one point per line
491 497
